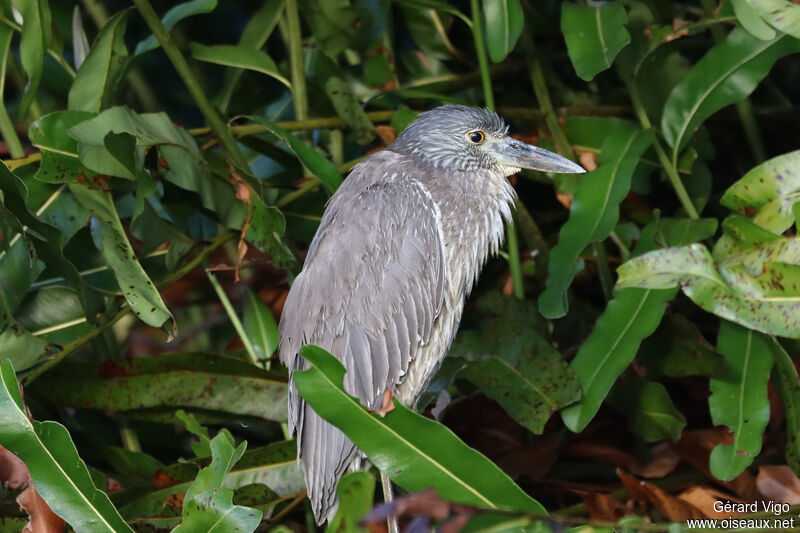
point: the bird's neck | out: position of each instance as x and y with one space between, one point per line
472 209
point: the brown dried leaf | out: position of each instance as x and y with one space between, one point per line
668 505
603 506
663 461
14 475
564 199
703 498
779 483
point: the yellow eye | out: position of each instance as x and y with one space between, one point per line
476 136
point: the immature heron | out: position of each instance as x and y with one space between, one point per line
399 247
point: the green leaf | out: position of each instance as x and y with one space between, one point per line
648 408
135 284
59 151
630 317
36 36
265 231
274 466
595 34
783 15
504 20
172 17
48 242
749 19
739 401
729 72
60 476
255 35
678 349
788 386
97 79
767 303
335 24
415 452
209 507
170 380
21 348
260 326
240 57
201 448
323 169
356 492
768 192
595 209
428 29
344 100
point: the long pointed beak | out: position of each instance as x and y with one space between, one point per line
516 153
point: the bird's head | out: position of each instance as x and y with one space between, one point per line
456 137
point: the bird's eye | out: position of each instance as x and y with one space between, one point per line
476 136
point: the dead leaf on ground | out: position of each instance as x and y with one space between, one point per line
603 506
663 461
672 507
703 498
14 475
695 448
779 483
387 405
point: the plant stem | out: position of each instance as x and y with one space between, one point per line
296 61
546 105
9 133
214 121
480 51
670 167
789 392
234 318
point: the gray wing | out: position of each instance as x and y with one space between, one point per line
371 287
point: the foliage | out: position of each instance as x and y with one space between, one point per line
165 172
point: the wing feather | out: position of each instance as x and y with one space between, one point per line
371 288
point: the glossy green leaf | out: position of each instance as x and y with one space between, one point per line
768 192
135 284
504 21
80 42
631 316
172 17
344 100
739 400
356 491
749 19
61 477
260 325
36 37
101 72
415 452
428 29
242 57
595 34
209 507
21 348
648 408
54 314
769 303
254 36
59 151
173 380
323 169
728 73
783 15
595 209
265 231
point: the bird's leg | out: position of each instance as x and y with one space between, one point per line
388 496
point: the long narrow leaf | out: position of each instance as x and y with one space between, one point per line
36 36
728 73
595 209
60 476
416 453
504 22
739 400
240 57
595 34
172 17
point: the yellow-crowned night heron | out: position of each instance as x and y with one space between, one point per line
399 247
